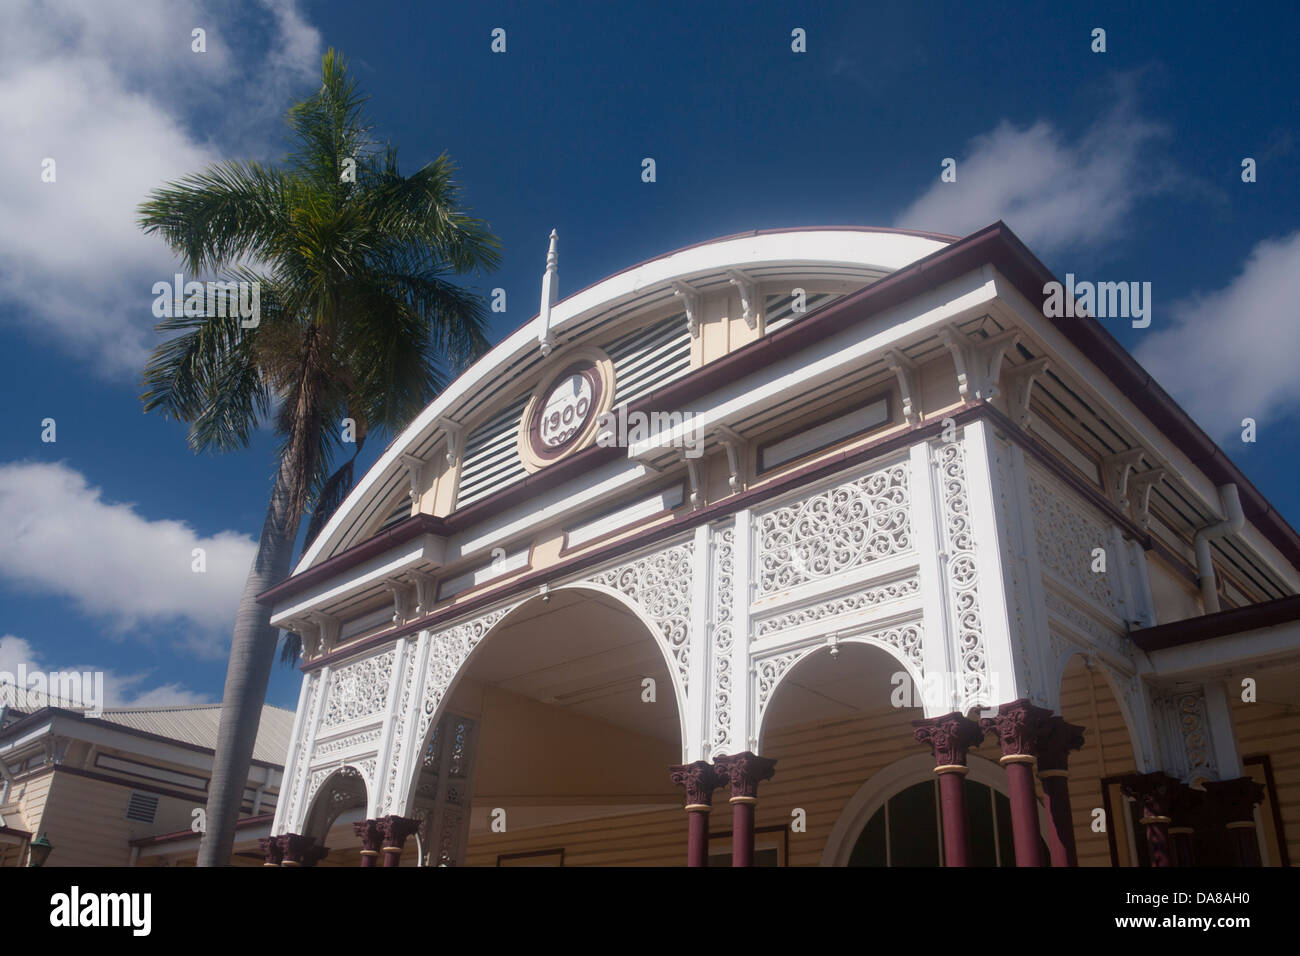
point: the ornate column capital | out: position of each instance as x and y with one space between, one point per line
700 780
1017 727
1155 793
743 772
296 849
949 737
1234 801
271 850
393 830
1056 739
371 837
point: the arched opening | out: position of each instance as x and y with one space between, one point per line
554 744
339 802
832 721
1111 836
907 829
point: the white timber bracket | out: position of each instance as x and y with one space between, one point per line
1019 382
734 443
978 361
455 433
908 383
1140 485
424 591
402 595
320 633
414 471
748 289
691 302
1117 469
693 474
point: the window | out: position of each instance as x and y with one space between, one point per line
908 829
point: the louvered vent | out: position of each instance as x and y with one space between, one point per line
142 807
649 358
779 309
400 512
491 459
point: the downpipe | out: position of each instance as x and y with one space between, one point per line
1231 503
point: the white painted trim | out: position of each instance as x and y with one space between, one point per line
697 707
744 698
870 250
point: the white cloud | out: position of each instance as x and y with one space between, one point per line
1053 192
1230 354
120 690
114 94
63 539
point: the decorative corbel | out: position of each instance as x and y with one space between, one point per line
415 471
908 386
424 591
748 289
401 599
1020 383
978 361
693 472
1140 485
326 632
1117 468
734 443
455 433
691 301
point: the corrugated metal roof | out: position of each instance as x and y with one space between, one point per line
198 726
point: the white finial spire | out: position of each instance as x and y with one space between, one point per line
549 293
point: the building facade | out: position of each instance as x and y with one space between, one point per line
125 786
798 547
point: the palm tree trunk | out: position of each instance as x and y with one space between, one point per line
252 653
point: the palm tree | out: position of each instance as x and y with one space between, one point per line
358 320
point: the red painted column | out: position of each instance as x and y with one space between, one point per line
1055 741
1154 793
393 831
743 773
949 737
1235 802
371 841
700 780
1017 727
1186 812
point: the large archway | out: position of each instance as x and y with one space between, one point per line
554 742
836 717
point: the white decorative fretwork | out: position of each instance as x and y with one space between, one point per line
962 575
448 651
1101 636
358 689
722 639
844 527
844 604
660 583
1066 537
301 757
392 788
350 742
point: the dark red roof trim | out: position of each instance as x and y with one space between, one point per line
1225 623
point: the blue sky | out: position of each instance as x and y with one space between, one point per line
1123 165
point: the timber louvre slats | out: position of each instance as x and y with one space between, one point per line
491 459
